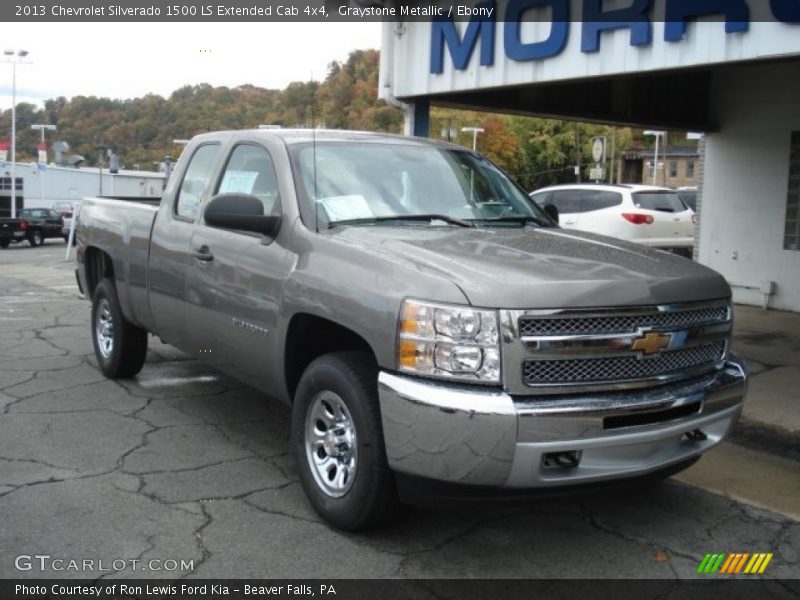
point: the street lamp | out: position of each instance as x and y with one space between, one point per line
43 127
658 135
101 148
14 57
475 131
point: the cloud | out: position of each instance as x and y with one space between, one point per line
127 60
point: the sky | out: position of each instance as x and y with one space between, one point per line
129 60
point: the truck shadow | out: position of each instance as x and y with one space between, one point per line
226 445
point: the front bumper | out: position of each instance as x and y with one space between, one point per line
476 436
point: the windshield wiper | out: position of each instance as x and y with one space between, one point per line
424 217
514 219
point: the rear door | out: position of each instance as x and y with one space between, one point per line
169 256
599 212
672 219
568 203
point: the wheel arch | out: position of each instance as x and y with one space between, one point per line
308 337
98 265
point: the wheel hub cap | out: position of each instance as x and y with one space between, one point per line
104 329
331 445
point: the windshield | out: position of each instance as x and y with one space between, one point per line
369 183
663 201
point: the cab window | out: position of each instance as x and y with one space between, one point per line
599 199
250 171
197 176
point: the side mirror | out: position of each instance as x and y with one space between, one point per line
242 212
551 211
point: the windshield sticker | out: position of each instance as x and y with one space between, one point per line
342 208
238 182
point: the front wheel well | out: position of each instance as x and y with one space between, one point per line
310 337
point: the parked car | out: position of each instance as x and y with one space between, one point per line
648 215
689 196
428 323
69 219
33 225
65 209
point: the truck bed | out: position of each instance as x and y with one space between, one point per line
121 228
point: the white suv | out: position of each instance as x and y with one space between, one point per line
649 215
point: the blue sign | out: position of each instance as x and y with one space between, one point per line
480 29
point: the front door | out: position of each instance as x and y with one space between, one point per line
234 282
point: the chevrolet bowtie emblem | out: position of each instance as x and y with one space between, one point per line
651 342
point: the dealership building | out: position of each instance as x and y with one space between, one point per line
727 68
43 186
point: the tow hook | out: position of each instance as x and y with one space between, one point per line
562 460
695 435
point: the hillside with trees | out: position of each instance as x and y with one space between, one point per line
141 130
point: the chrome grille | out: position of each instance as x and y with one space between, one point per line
573 324
619 368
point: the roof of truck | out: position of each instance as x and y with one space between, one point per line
304 136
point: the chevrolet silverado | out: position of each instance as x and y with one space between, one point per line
425 320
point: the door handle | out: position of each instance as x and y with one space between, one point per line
203 254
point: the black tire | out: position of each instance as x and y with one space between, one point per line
35 238
371 498
66 238
4 244
125 355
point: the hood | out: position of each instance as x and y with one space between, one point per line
540 267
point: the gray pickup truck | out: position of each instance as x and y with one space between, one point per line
425 320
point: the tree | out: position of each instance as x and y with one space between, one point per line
534 151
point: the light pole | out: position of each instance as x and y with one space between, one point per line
658 135
43 127
10 58
101 148
475 131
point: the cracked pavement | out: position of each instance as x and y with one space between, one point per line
185 463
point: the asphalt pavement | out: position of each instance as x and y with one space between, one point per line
187 472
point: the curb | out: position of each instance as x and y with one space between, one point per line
767 438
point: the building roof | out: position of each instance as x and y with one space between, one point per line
669 151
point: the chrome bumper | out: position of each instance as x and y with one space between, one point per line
470 435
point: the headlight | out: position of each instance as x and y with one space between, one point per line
453 342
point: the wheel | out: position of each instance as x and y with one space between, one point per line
4 244
337 440
66 238
35 238
120 346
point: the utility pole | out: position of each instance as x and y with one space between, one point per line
577 152
613 154
657 135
